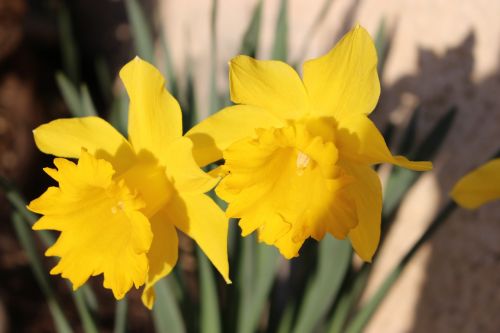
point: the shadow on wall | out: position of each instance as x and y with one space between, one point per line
460 292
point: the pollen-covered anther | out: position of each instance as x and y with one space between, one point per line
302 162
120 206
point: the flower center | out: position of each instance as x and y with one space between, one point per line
302 162
120 206
286 183
152 185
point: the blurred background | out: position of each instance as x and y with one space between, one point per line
436 56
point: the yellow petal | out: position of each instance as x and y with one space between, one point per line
67 137
479 186
367 194
162 255
219 131
271 85
155 117
102 228
201 219
358 139
182 170
345 80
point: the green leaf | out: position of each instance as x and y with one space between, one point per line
24 235
210 317
381 44
104 79
401 180
362 317
88 108
280 46
244 282
260 273
318 21
286 322
70 95
334 260
169 66
166 313
348 299
69 51
250 41
120 325
141 31
88 323
118 117
214 97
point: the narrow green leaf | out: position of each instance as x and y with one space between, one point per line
366 312
401 179
166 313
214 97
348 300
88 108
118 117
250 41
334 259
23 234
263 274
121 316
210 317
70 95
90 298
280 46
244 283
89 326
141 31
169 66
286 322
408 138
436 137
104 79
381 44
69 49
318 21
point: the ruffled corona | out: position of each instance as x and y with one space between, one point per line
88 195
286 183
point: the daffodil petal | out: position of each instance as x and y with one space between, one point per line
345 80
358 139
200 218
162 255
183 171
219 131
478 187
155 117
67 137
102 227
271 85
367 194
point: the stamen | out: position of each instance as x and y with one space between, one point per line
119 206
302 162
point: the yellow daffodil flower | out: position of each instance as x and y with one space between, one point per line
298 153
478 187
118 207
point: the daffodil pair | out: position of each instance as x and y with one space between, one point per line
297 164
